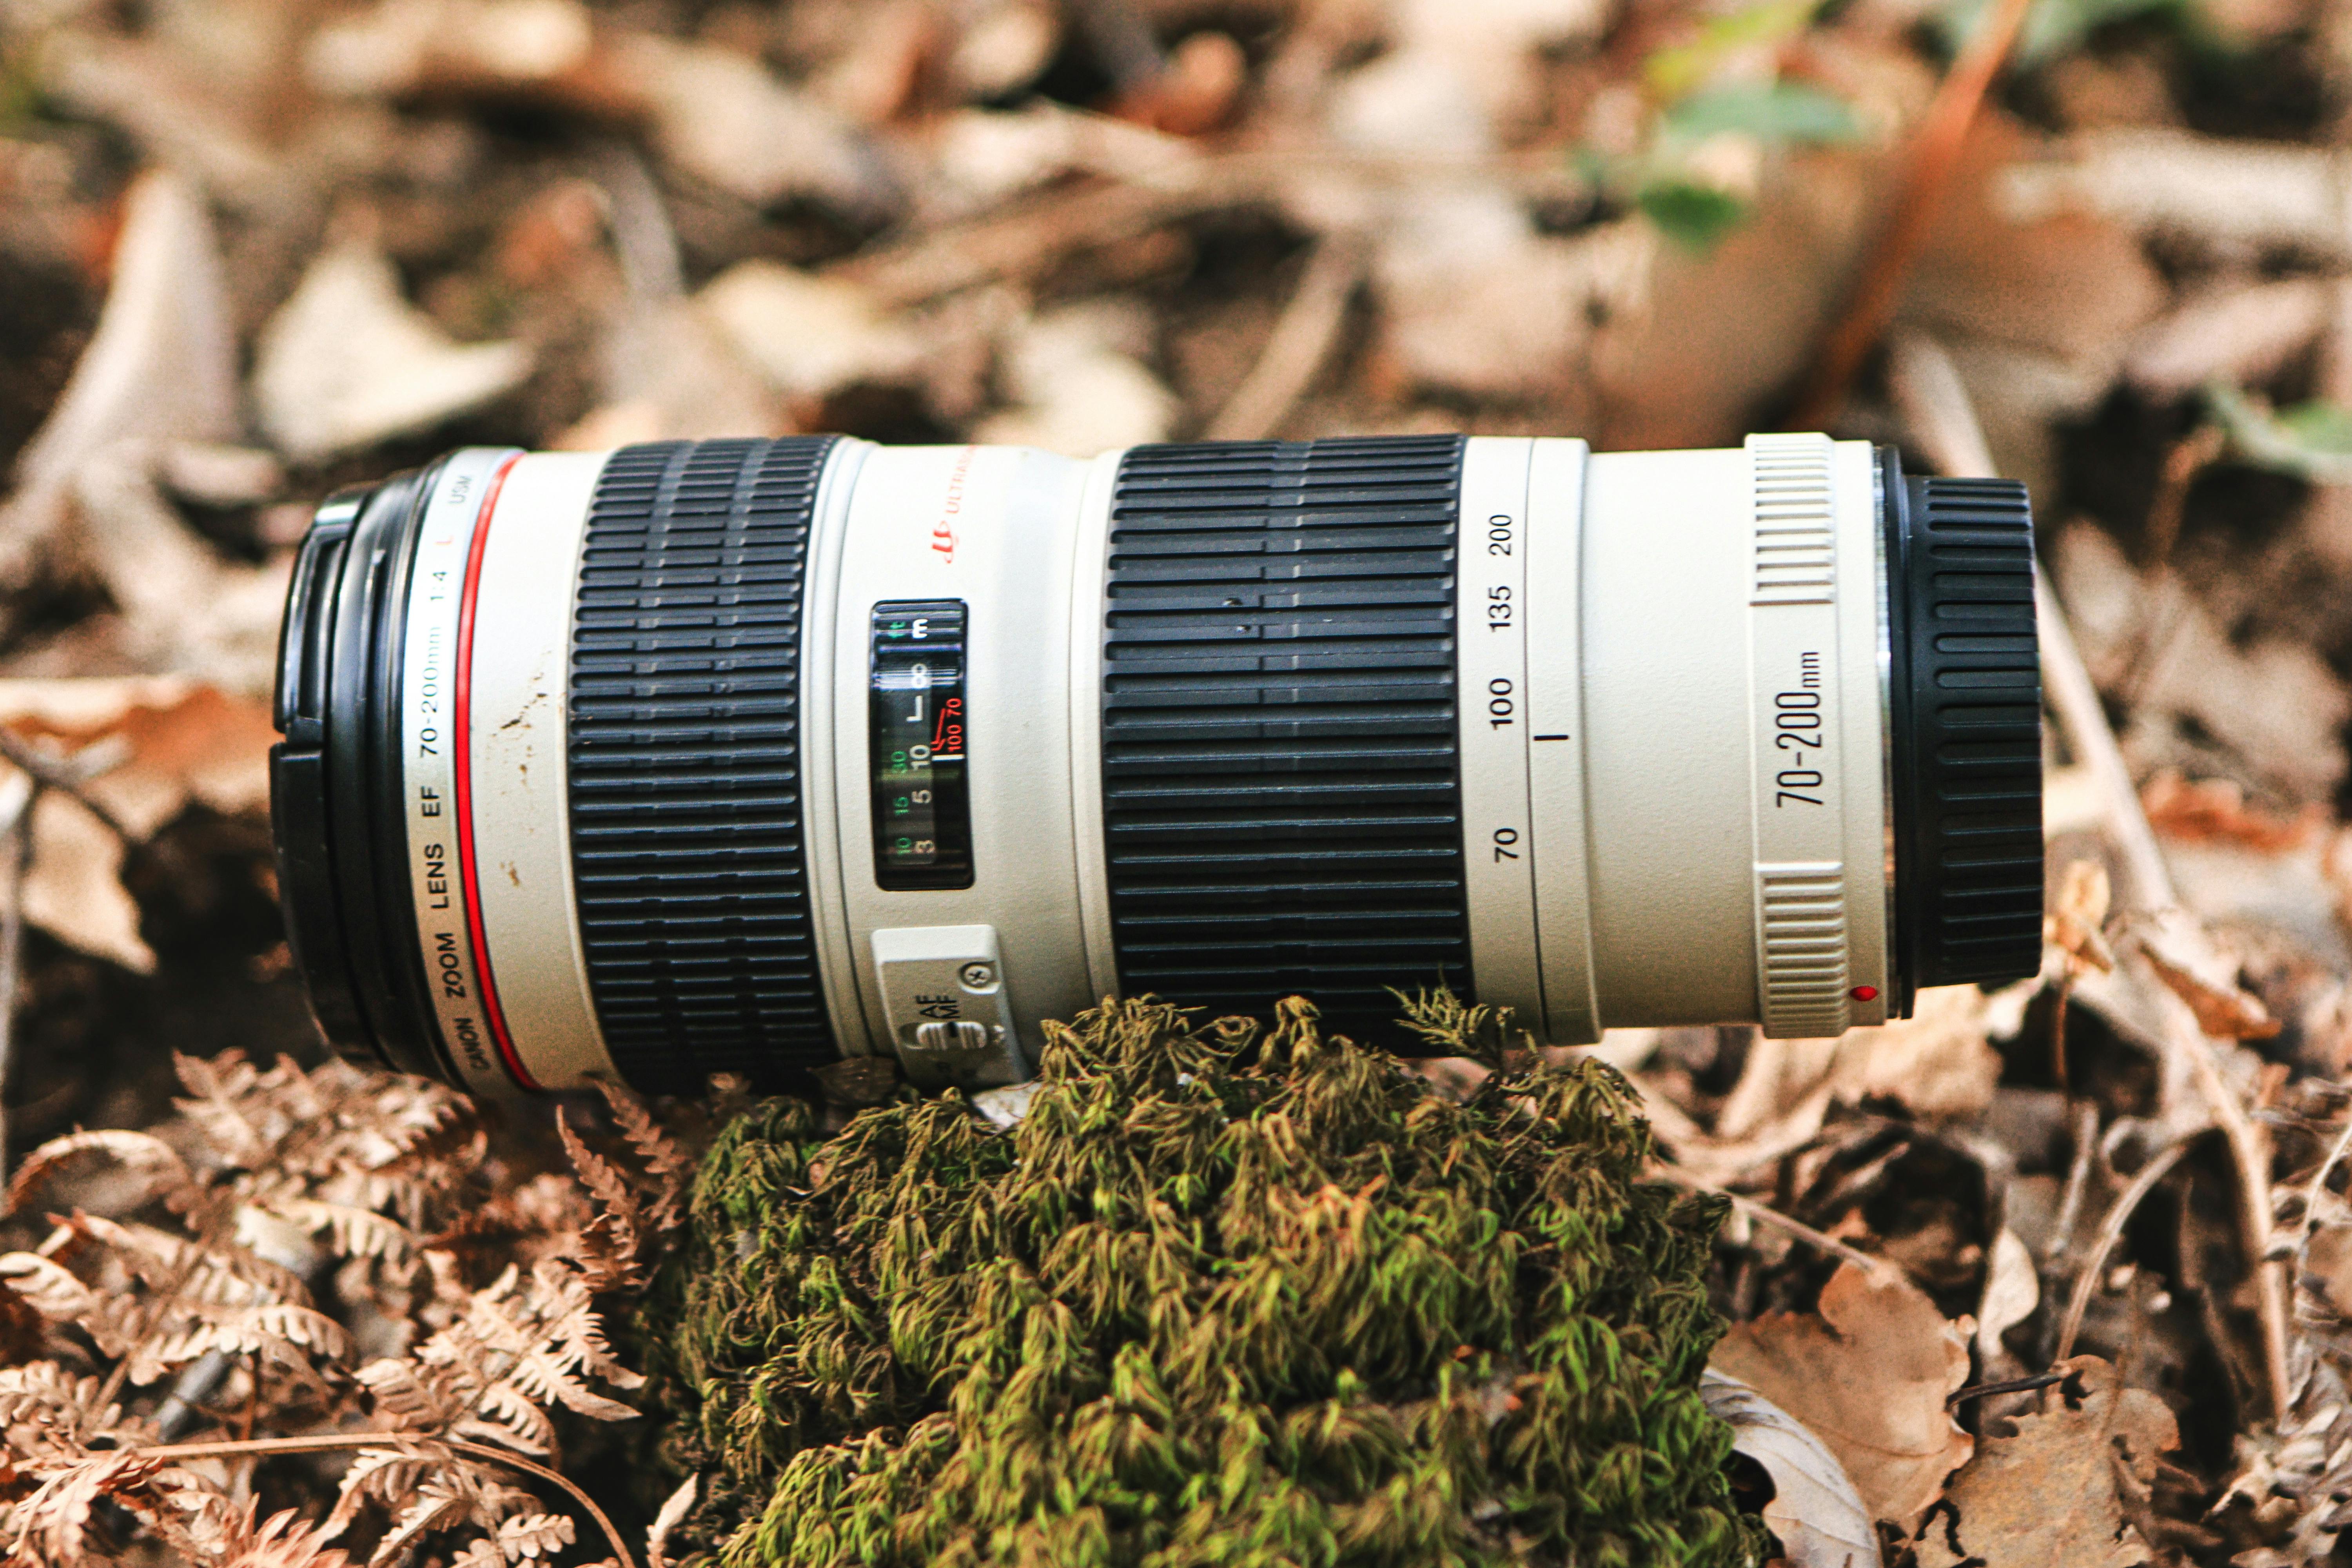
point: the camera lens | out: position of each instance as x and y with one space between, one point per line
753 756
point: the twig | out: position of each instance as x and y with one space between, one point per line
1035 234
1925 381
2250 1150
2007 1385
1934 154
61 774
1299 344
2111 1231
2058 1036
2078 1179
1878 1268
327 1443
2319 1182
20 795
2189 456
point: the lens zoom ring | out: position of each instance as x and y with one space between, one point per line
685 786
1281 782
1972 894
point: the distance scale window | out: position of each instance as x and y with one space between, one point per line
916 725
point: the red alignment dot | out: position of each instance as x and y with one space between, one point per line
1864 992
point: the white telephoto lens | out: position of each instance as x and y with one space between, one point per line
751 756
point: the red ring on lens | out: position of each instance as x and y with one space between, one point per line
492 1013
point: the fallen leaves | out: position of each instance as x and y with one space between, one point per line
2271 703
2216 810
1938 1061
1080 386
2012 1290
2048 1496
2199 190
809 335
168 742
347 361
161 366
2200 971
2075 924
725 117
1868 1374
1814 1513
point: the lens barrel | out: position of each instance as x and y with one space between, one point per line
749 755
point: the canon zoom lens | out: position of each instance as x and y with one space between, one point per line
749 756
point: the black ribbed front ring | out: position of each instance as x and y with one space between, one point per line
1965 693
687 837
1281 775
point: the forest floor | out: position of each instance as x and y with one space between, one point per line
253 250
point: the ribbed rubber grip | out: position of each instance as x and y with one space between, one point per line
686 769
1281 782
1967 695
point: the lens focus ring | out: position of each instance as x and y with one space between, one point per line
1281 775
685 762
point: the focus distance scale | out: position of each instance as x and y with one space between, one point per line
753 755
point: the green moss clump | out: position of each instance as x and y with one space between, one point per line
1227 1295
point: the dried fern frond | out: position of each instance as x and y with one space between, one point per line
275 1178
669 1168
52 1525
137 1154
641 1210
49 1286
542 1217
284 1540
614 1239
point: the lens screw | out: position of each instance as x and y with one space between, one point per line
977 975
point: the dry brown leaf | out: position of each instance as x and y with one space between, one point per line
2273 701
2212 809
1706 346
2241 334
725 117
74 890
2067 286
2232 194
162 367
2325 1268
983 156
1868 1374
347 361
808 335
1080 386
2077 915
2196 970
403 46
1814 1513
1938 1061
181 742
2047 1498
1474 302
185 610
2012 1290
